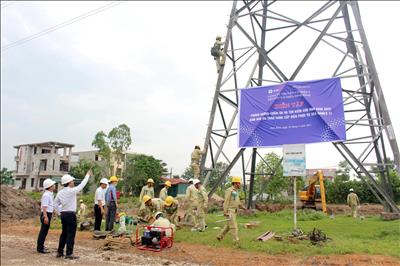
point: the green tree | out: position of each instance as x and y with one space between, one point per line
343 171
140 167
394 179
188 173
270 179
79 171
6 176
113 144
219 168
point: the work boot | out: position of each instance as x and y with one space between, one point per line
44 251
237 244
59 255
71 257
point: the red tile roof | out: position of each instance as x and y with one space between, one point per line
175 181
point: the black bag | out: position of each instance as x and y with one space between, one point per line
214 51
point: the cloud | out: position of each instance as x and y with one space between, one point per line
146 64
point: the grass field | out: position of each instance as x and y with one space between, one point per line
349 236
371 235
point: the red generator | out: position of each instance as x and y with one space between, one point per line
154 238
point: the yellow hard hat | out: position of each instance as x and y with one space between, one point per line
121 214
168 183
150 180
218 37
146 198
113 179
236 179
168 201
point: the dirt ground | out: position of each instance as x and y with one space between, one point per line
18 248
365 209
15 204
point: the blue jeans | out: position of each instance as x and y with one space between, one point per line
110 217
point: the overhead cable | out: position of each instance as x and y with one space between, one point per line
61 25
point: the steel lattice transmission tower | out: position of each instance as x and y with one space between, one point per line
269 42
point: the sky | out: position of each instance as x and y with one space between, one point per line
146 64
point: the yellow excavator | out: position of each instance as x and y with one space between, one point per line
314 193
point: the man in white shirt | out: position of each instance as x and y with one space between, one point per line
99 202
65 202
46 213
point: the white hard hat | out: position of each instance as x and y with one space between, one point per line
351 189
196 181
65 179
48 183
157 214
104 181
191 180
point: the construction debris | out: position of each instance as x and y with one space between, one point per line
297 232
115 243
266 236
389 216
252 224
16 205
100 234
271 207
296 235
316 236
86 225
246 212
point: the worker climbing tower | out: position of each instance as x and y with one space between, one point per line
270 42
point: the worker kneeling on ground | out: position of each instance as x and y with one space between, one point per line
149 208
164 190
231 206
171 210
353 202
163 222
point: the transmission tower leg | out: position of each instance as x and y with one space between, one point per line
252 175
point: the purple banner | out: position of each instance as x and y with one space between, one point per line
292 113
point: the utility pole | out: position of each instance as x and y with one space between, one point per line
268 45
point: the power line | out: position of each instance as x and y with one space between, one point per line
61 25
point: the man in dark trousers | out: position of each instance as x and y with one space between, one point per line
99 203
65 202
46 213
111 202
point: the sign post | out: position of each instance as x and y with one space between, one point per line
294 202
294 164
